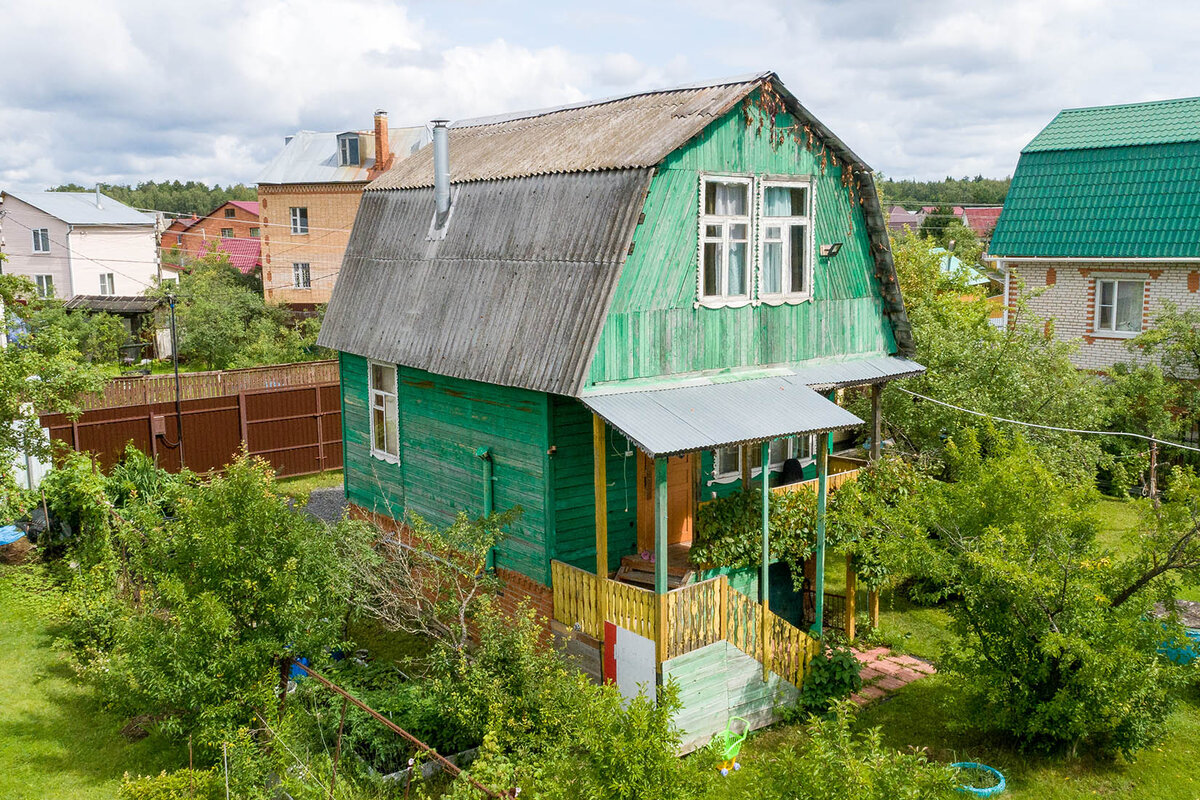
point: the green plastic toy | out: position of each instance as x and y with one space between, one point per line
731 744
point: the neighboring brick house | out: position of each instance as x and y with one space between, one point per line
232 227
1103 220
309 195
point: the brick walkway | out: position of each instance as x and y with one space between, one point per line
883 673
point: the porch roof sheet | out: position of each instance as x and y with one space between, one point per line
667 422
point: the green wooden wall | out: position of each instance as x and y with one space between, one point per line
718 682
574 492
442 423
653 328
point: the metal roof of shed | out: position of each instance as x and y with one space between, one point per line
113 304
683 419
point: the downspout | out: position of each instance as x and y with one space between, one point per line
485 455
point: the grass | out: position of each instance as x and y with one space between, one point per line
55 739
300 487
1119 517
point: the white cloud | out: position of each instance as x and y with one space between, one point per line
124 90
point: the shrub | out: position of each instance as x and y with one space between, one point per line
836 762
833 675
184 784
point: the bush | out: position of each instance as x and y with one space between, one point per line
834 762
184 784
833 674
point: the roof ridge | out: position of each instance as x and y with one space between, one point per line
1128 105
514 116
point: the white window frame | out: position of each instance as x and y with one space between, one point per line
1117 280
41 240
723 299
299 217
377 400
225 235
108 284
45 285
775 466
788 294
301 268
254 233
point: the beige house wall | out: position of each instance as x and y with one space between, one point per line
331 211
1064 299
18 245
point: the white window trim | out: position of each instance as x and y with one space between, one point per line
108 281
41 241
755 471
382 455
724 300
296 278
1111 333
41 281
787 296
295 219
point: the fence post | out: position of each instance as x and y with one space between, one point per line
851 596
723 606
320 433
873 608
337 750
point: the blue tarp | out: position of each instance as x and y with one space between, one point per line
10 534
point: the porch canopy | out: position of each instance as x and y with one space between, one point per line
682 419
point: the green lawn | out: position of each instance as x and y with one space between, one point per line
1118 517
55 740
301 486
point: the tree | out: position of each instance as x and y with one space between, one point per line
96 336
41 369
954 191
1140 399
936 222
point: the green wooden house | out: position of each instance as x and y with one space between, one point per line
607 314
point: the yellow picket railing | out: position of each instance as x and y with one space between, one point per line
831 482
696 615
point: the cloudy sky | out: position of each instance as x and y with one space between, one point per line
121 91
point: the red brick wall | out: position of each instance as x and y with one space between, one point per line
207 232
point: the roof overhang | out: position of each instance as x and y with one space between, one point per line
683 419
113 304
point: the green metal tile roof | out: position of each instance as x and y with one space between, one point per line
1160 122
1113 182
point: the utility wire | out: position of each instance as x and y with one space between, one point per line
1050 427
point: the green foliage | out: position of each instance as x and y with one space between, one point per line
936 222
832 675
223 323
42 370
835 762
1140 399
1043 653
193 197
1020 373
913 194
184 784
95 336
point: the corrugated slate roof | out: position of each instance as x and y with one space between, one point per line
79 208
1159 122
113 304
515 293
637 130
312 157
1116 202
667 422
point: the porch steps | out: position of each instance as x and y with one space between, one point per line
638 571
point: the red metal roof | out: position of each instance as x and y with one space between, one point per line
982 220
245 254
249 206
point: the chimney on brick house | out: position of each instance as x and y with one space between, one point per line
383 151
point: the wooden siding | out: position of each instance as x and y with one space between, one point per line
443 421
574 491
653 327
718 682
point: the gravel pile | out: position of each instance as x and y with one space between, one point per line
326 504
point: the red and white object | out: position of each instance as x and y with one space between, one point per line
628 661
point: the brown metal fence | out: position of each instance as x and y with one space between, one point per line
297 428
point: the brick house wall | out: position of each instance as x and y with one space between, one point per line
1064 298
209 231
331 211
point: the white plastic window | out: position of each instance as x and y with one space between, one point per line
301 275
299 220
45 285
727 462
1119 306
107 283
385 417
41 240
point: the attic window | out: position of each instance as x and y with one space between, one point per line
230 213
785 241
725 240
348 150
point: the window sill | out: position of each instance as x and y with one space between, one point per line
788 300
1115 334
712 302
388 457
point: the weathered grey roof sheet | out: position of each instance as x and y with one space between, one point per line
113 304
637 130
666 422
312 157
515 293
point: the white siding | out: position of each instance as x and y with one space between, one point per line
126 252
18 245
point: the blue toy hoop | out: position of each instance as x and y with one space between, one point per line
990 791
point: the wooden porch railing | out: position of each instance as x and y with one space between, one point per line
697 615
832 482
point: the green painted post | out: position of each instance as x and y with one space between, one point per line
822 489
763 593
660 526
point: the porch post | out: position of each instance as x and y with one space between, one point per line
764 591
876 421
599 453
822 490
851 597
660 554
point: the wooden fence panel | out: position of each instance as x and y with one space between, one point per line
693 617
574 592
630 607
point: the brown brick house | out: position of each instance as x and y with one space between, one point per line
309 194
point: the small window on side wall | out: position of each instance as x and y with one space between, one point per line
1119 307
725 241
41 240
301 275
385 414
107 284
785 241
299 220
45 285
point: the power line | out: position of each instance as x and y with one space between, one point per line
1050 427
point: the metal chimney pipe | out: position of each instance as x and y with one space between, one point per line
98 196
441 166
